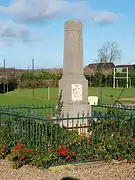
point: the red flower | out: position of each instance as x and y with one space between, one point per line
61 148
74 154
27 151
22 158
90 142
2 150
18 146
63 151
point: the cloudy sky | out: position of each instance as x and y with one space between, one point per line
35 29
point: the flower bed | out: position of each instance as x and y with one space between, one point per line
47 143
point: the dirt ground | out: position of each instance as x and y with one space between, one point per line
117 171
127 99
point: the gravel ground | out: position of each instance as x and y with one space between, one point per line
118 171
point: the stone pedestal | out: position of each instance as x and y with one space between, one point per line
73 83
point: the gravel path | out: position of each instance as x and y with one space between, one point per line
119 171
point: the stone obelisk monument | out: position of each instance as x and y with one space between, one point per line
73 84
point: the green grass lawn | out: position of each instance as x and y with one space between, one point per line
24 96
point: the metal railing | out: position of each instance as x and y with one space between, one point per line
67 139
113 109
44 110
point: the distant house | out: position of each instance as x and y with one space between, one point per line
91 69
130 67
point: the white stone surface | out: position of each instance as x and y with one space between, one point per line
93 100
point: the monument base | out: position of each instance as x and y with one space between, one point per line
75 110
76 117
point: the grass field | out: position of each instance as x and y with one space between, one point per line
24 96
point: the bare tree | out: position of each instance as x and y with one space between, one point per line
109 52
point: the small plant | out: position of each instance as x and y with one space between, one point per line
60 104
4 151
20 155
4 136
43 158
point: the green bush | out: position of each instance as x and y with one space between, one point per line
5 137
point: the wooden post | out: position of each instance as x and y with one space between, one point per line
48 93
